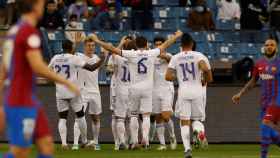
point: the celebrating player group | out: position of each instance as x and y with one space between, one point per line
141 88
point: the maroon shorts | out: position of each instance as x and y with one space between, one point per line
42 127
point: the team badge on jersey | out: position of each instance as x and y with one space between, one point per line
273 69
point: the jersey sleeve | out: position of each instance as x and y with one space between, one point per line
78 61
172 63
31 39
129 53
155 52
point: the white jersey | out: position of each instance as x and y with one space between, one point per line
161 66
89 80
141 67
189 75
209 67
121 76
67 65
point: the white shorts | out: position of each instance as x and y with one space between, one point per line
163 99
120 102
75 103
190 109
93 101
140 101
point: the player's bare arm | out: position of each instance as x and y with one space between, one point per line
207 73
170 41
165 57
37 64
95 66
251 84
3 76
170 74
122 42
106 45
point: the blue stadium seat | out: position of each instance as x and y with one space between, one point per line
225 25
116 36
199 36
231 36
85 24
126 24
165 12
183 12
174 49
254 36
252 50
165 24
182 24
203 47
215 36
172 3
226 50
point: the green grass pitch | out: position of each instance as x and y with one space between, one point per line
214 151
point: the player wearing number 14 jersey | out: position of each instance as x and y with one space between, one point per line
141 67
68 65
189 67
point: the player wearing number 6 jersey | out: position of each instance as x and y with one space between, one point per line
141 66
189 67
68 65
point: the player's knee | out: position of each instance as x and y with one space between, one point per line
158 118
80 113
63 114
95 118
185 122
20 153
46 146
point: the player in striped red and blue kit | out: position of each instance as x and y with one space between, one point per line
22 61
267 71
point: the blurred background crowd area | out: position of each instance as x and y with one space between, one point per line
226 31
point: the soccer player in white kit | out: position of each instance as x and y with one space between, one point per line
141 66
68 65
119 93
163 95
192 73
90 92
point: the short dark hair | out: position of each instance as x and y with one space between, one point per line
73 16
194 46
25 6
67 46
186 40
131 45
159 38
50 1
141 42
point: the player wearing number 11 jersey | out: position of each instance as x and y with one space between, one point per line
141 67
68 65
189 67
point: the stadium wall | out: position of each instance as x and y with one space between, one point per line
226 123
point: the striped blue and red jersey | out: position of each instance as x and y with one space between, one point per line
268 73
20 89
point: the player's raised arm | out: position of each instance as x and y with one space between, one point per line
249 85
207 73
105 45
171 71
171 40
165 57
93 67
37 64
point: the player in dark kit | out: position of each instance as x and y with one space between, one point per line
24 116
267 70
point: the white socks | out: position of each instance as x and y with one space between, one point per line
160 133
121 130
198 126
77 133
114 130
62 129
96 130
83 128
134 127
146 129
170 128
185 134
